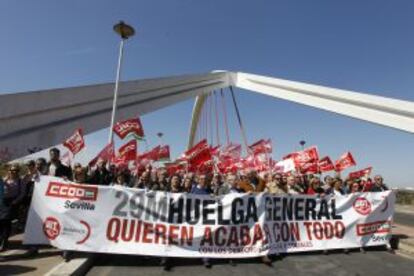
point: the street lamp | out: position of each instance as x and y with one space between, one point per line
302 143
160 134
124 31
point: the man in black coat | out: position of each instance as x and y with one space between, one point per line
55 167
379 185
101 176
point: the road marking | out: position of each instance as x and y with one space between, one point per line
69 268
12 252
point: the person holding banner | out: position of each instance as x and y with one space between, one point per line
41 166
202 189
175 186
337 187
379 185
218 187
315 187
100 175
293 187
79 173
56 168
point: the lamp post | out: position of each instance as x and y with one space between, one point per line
160 134
124 31
302 143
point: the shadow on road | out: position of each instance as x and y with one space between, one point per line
15 269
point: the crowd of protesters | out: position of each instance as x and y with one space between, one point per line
16 187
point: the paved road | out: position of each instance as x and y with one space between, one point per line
372 263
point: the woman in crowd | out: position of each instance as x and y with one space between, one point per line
337 188
315 187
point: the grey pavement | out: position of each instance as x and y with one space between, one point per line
374 262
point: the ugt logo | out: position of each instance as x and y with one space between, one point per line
51 228
362 206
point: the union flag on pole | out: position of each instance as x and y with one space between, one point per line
129 127
195 149
106 154
215 151
198 154
173 167
305 156
325 164
261 146
345 161
148 156
360 173
128 152
163 153
284 166
232 151
75 143
309 167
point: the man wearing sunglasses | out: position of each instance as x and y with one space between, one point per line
379 185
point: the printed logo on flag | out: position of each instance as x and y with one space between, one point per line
362 206
51 228
75 143
377 227
72 191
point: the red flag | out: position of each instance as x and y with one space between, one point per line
199 146
261 146
215 151
305 156
326 165
148 156
346 160
130 126
106 154
118 161
309 167
360 173
75 143
200 157
163 153
261 163
206 167
172 168
198 154
128 152
232 151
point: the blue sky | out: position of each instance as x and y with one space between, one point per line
363 46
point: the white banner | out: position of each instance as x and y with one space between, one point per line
129 221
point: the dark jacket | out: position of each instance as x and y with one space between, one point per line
101 177
377 188
61 171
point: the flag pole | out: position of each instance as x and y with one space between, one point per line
125 31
